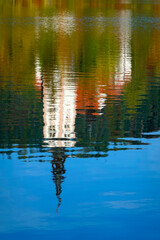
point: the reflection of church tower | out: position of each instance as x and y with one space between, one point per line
59 108
59 111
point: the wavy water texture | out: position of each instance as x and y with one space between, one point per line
79 119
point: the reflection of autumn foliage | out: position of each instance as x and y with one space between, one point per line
89 57
87 100
93 98
154 54
21 7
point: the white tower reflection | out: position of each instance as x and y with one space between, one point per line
59 108
124 67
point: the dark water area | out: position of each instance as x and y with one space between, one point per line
79 119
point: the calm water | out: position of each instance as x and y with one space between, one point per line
79 119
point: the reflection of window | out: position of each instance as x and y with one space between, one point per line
66 135
52 134
52 128
52 110
67 144
52 143
51 131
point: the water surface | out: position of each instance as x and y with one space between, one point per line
79 119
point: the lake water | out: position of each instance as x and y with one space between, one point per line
79 119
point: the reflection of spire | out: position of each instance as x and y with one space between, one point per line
58 171
59 96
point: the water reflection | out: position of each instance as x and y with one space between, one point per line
64 23
79 83
123 72
58 171
59 111
82 84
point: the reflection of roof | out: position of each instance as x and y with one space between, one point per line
88 98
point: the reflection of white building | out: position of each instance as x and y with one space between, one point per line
123 70
59 107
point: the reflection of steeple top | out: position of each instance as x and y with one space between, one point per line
58 171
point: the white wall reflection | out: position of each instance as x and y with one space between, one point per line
62 97
123 70
59 109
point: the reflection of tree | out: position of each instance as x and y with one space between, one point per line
92 133
58 171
